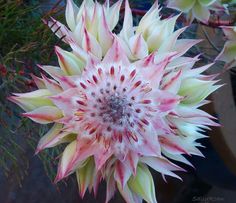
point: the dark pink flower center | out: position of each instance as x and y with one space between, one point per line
114 109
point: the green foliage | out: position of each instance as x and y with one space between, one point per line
24 42
23 34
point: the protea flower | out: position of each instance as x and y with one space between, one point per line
95 36
121 116
199 9
91 22
228 53
151 34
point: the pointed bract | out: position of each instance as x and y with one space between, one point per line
123 102
143 184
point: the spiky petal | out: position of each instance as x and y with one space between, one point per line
121 105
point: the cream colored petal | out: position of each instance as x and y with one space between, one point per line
148 19
71 13
90 44
169 42
53 71
44 114
105 37
112 14
195 90
78 32
143 184
127 30
138 46
69 63
32 100
157 37
96 18
89 5
66 159
51 138
228 53
201 13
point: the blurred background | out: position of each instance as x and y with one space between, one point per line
25 178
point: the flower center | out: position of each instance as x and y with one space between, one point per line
116 105
113 109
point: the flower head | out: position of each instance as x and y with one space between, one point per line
90 25
228 53
199 9
120 116
93 32
151 34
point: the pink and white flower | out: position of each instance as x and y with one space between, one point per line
90 25
151 34
120 115
96 35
